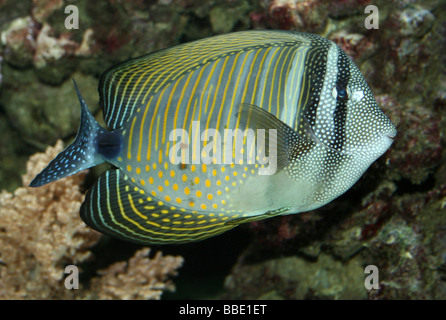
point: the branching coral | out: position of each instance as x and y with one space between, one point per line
41 232
148 275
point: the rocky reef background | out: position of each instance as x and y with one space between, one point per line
393 218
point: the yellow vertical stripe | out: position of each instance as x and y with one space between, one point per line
141 129
149 146
129 150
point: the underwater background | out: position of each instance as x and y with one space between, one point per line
393 218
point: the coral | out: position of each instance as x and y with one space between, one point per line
308 16
41 232
418 149
150 276
356 45
19 41
295 278
342 8
59 106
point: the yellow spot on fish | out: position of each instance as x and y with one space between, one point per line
160 203
208 183
214 172
167 198
138 170
186 190
153 193
178 200
191 203
210 196
143 182
204 168
198 193
184 177
167 183
175 187
129 168
203 206
147 167
172 173
192 168
218 182
164 211
160 174
151 180
197 180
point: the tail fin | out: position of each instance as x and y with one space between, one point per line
81 154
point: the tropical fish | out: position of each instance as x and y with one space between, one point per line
213 133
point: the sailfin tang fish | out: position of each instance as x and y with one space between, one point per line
221 131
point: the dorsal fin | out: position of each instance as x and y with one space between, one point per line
127 86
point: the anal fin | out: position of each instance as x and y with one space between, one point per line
118 207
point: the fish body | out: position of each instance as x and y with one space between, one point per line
224 130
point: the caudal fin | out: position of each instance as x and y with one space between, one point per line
79 155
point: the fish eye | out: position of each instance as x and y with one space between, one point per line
340 93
